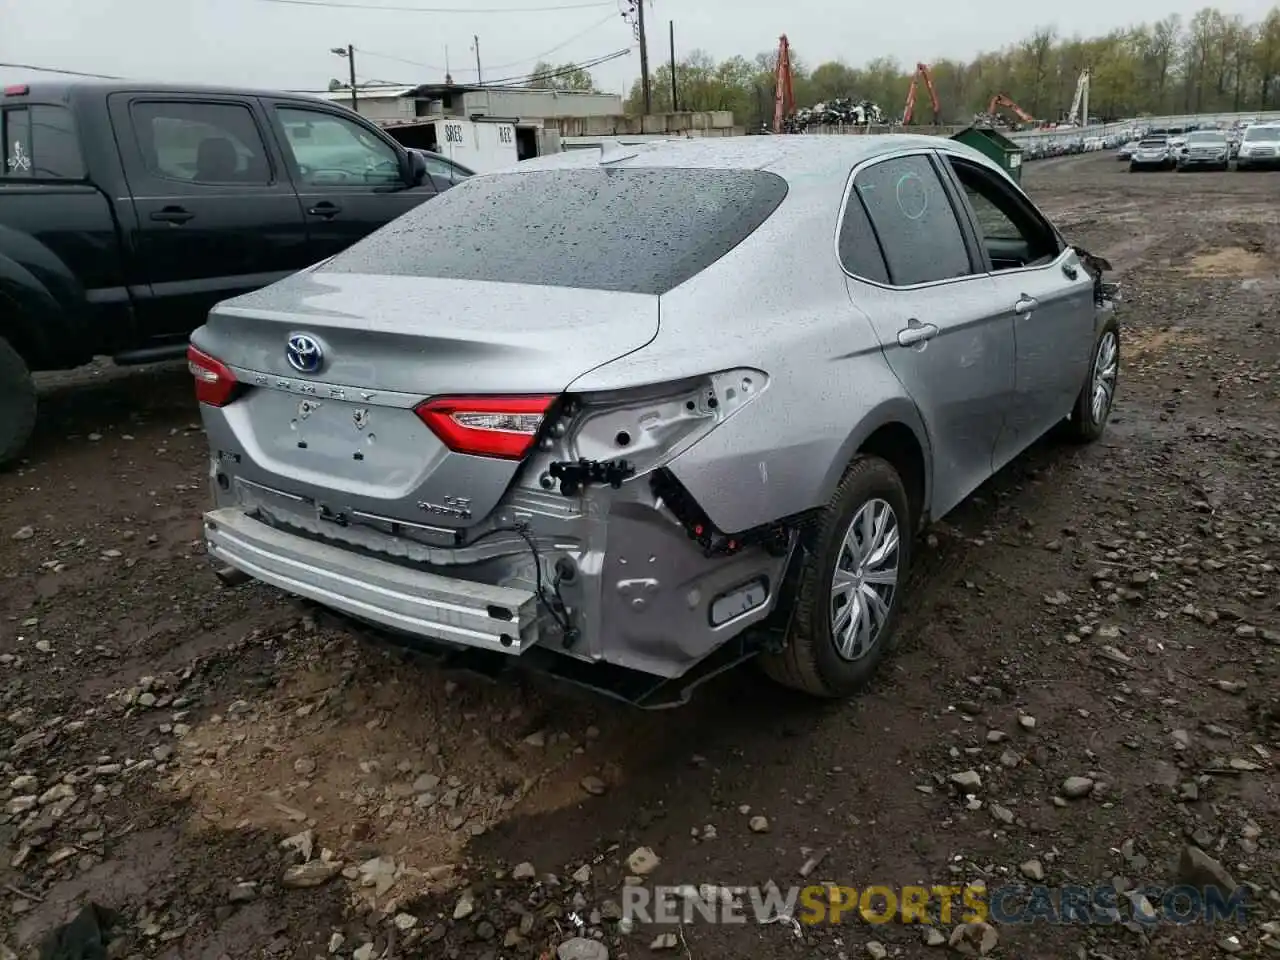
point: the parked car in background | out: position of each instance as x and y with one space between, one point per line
128 210
1154 152
1126 151
626 461
1204 150
1259 147
444 172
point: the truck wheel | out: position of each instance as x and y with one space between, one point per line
17 403
850 588
1093 405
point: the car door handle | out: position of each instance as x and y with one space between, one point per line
1070 271
915 333
1025 305
172 215
325 209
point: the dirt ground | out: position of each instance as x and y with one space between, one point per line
1109 613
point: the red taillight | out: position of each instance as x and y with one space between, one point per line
215 383
486 426
17 90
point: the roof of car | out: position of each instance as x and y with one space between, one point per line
65 89
789 155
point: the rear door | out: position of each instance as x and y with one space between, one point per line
913 270
1042 288
217 214
348 175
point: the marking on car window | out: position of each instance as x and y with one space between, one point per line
923 199
19 160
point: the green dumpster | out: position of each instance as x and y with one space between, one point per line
995 145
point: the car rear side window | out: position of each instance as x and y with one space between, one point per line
860 252
39 141
637 230
211 143
914 220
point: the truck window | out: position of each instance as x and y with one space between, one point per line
332 151
39 141
201 142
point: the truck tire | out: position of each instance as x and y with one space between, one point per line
17 403
818 659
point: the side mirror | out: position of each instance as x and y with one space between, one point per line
417 173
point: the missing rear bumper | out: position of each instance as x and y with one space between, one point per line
497 618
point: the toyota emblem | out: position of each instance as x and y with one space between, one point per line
304 353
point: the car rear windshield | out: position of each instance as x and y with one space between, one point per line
1208 136
1153 142
1262 133
637 230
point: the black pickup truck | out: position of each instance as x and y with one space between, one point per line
127 211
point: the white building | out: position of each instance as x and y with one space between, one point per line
415 115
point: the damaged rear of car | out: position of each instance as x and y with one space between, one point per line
633 417
397 433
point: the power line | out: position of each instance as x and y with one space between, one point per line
560 72
400 9
497 66
563 71
69 73
410 63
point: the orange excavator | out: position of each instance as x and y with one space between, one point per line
784 99
1003 100
922 73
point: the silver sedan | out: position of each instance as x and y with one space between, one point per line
635 414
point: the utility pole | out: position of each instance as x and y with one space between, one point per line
350 53
479 78
671 33
644 57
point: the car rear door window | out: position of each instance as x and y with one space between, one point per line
860 252
39 142
212 143
914 220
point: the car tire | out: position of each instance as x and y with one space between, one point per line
871 493
17 403
1086 424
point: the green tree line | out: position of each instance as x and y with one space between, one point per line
1210 63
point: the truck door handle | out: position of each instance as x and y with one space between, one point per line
916 333
1025 305
172 215
325 209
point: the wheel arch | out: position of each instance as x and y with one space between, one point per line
895 432
23 300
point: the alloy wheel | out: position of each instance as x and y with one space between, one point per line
1105 371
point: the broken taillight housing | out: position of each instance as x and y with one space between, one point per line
503 427
216 385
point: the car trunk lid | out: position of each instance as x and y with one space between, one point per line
346 437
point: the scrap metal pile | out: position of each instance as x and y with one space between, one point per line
841 112
995 120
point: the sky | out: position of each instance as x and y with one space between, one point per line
274 44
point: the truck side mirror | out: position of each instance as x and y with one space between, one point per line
417 169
